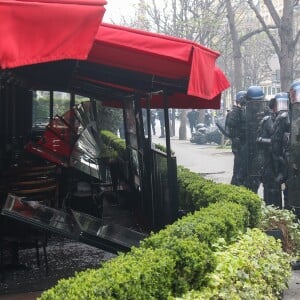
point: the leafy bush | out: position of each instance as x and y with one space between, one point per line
287 222
219 220
194 260
172 261
114 143
196 192
140 274
255 267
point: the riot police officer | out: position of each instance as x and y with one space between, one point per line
272 187
292 153
254 112
235 130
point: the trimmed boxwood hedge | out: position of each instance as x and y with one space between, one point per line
171 262
196 192
218 220
140 274
204 228
114 143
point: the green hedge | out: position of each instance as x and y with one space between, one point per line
196 192
114 143
201 229
140 274
218 220
254 267
171 262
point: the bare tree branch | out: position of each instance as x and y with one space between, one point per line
297 37
252 33
273 12
265 27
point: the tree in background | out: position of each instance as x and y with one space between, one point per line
233 27
283 38
110 118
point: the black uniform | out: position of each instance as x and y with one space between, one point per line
193 117
280 149
235 126
292 154
272 188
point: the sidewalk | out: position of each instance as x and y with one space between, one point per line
23 296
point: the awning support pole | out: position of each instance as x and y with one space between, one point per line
149 120
51 105
72 100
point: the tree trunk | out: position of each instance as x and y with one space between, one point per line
182 127
286 69
287 54
236 47
202 116
172 125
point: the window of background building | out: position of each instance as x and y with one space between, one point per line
61 103
40 108
269 90
273 91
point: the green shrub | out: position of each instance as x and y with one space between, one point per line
194 260
196 192
190 185
287 222
255 267
219 220
140 274
114 142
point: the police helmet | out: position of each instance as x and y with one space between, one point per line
282 101
240 97
272 103
255 93
295 91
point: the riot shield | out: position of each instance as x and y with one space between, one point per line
294 160
255 111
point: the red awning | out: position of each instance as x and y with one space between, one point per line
175 100
40 31
160 55
58 44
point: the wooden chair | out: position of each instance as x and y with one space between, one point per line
36 182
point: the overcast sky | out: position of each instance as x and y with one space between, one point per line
117 8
